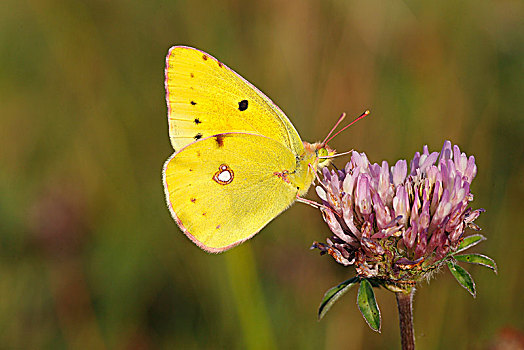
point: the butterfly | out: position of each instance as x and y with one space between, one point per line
238 161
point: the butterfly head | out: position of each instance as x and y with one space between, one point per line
325 154
321 153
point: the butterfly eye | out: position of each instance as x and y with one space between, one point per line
322 152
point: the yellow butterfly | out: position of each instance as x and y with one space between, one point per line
238 160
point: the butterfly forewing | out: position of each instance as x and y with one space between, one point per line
205 98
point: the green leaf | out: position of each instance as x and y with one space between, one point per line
463 277
333 294
469 242
478 259
368 305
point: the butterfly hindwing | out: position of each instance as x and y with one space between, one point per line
223 189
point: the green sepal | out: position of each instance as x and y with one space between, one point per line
469 242
333 294
463 277
367 304
478 259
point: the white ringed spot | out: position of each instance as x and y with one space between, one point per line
224 175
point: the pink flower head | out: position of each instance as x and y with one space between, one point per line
396 225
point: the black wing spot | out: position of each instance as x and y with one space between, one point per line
192 75
193 103
198 136
242 105
193 200
204 57
220 64
197 121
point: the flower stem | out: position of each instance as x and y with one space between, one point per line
405 315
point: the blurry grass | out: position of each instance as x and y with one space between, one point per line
88 252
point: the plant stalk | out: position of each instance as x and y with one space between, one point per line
405 315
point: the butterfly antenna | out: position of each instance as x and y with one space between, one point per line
347 126
340 119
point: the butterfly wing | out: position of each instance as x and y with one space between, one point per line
223 189
205 97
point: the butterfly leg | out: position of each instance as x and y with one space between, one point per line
314 204
317 205
316 176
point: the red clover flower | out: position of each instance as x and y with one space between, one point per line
396 227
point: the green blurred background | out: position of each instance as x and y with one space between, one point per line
89 255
